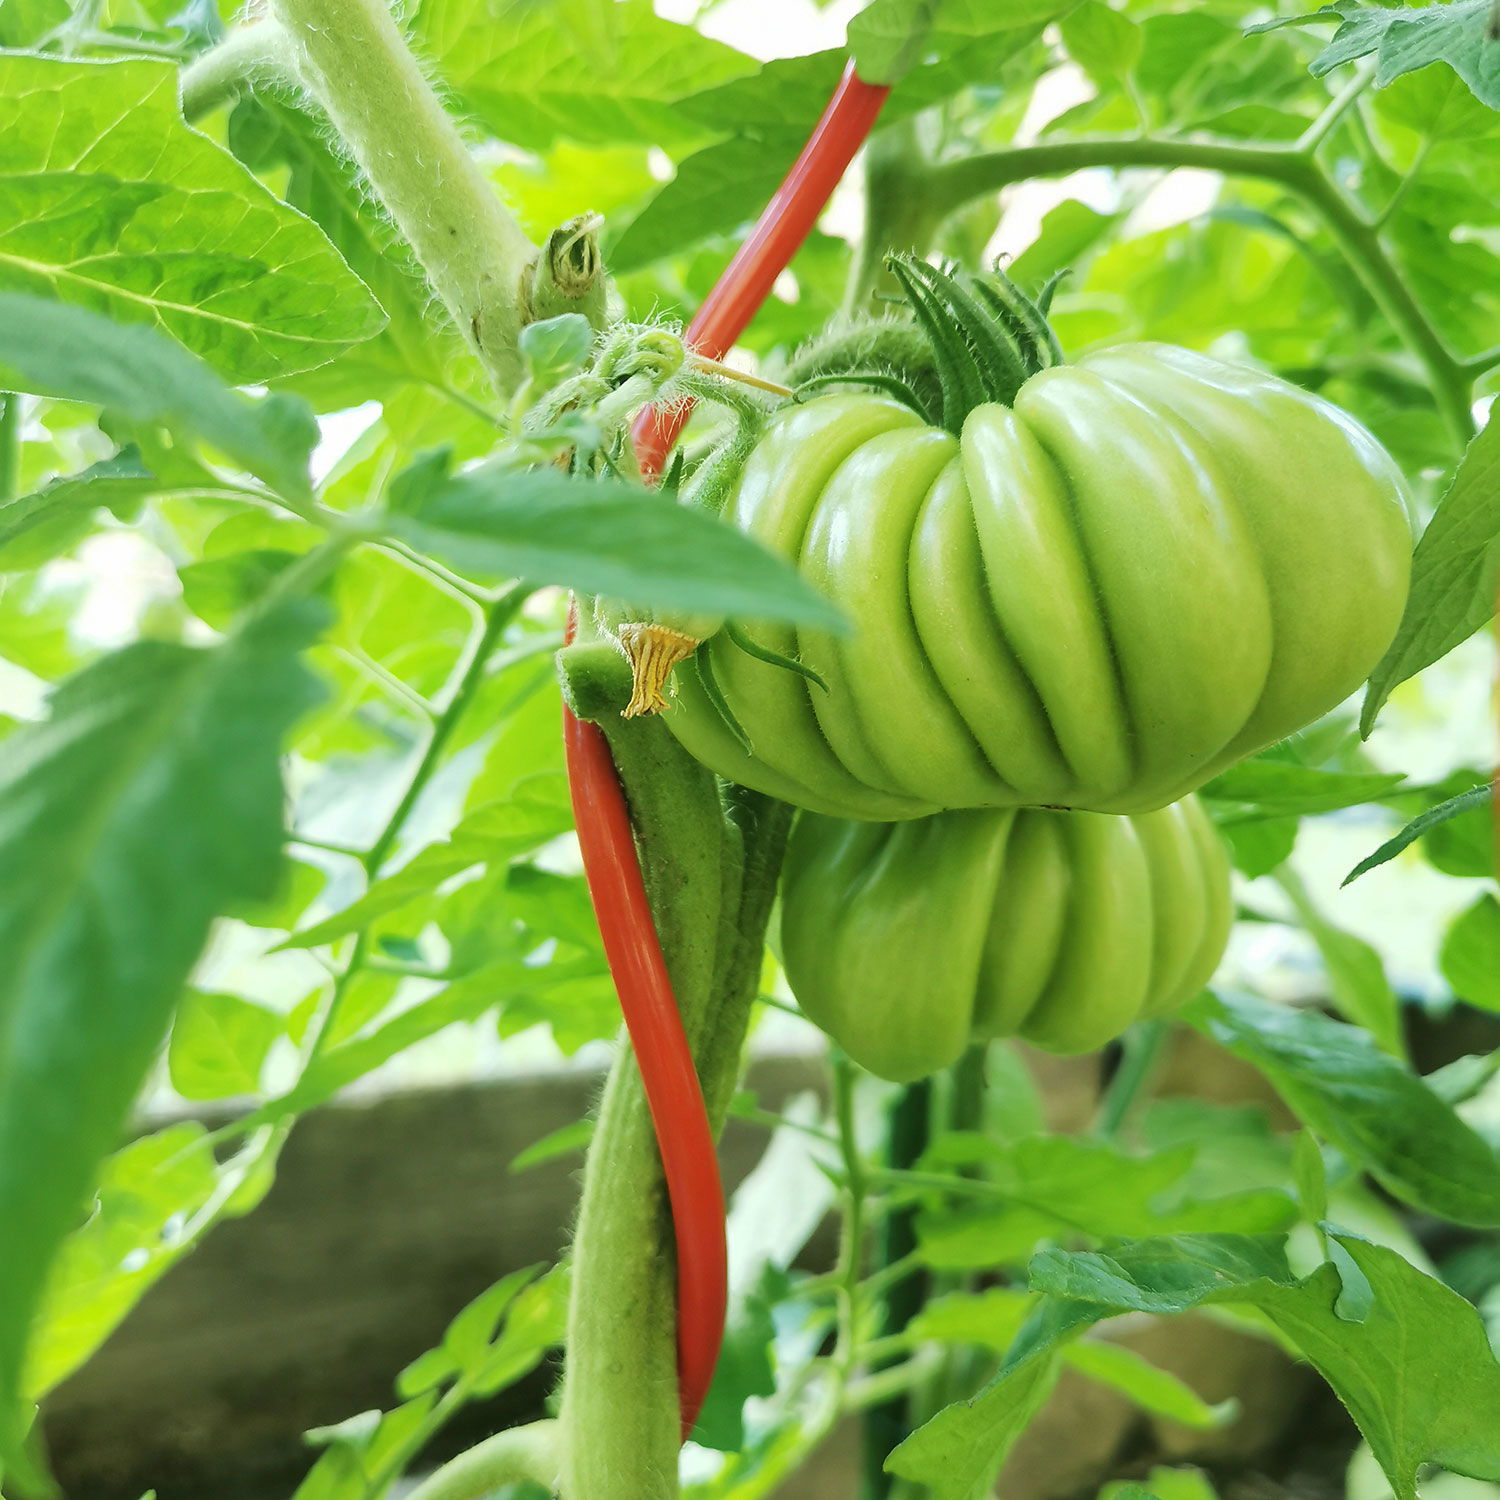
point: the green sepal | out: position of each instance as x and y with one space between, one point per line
988 337
891 384
772 658
715 695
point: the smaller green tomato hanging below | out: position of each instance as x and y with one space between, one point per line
907 941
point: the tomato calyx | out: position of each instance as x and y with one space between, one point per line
988 337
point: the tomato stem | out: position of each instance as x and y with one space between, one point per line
953 184
222 73
740 377
351 57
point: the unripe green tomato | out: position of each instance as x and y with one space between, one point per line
1150 567
908 941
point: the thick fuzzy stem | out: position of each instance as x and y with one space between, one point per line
898 215
516 1456
619 1412
223 72
351 57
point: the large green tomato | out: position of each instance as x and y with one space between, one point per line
1150 567
907 941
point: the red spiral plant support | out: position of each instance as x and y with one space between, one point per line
673 1094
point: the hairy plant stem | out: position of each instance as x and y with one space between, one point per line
908 1130
222 73
515 1456
1337 107
352 58
952 184
1144 1047
899 212
710 872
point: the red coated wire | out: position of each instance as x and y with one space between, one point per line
673 1093
778 234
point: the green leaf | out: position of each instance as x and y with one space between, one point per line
1435 103
34 621
142 375
1470 956
888 36
567 1140
492 835
1053 1184
219 588
1149 1386
970 42
1068 233
506 983
146 1191
363 1448
467 1343
554 348
1405 39
114 204
115 481
614 72
469 1336
1162 1275
786 95
1466 842
1104 42
26 22
1356 972
534 1324
1309 1171
219 1044
958 1453
1455 570
1262 789
1416 1373
602 537
990 1318
149 801
1456 806
714 191
1258 847
1164 1484
1380 1115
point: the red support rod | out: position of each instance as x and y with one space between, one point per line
778 235
673 1093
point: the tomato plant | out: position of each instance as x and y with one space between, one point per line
977 684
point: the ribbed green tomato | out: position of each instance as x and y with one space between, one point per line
907 941
1150 567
